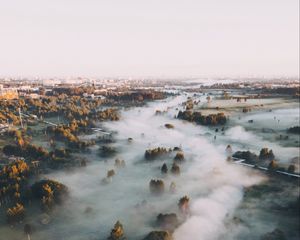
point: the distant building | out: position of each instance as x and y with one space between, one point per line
8 93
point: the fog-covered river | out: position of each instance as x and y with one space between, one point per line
215 187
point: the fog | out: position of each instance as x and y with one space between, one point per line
215 187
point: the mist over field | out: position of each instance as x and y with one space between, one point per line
214 185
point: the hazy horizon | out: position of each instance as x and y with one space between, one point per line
147 39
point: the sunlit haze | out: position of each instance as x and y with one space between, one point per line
149 38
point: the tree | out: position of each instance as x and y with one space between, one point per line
117 233
15 214
157 187
273 166
183 205
175 169
110 173
179 157
164 169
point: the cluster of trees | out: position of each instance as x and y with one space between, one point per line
31 152
107 151
9 116
20 137
120 163
294 130
67 106
175 169
28 151
9 110
111 114
87 109
16 192
50 193
13 182
72 91
68 134
197 117
63 133
168 222
154 153
138 96
274 166
45 107
247 155
266 154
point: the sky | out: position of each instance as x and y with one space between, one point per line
96 38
